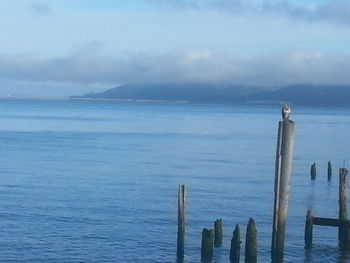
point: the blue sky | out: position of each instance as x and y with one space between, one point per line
64 47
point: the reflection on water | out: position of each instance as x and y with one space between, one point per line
325 254
319 254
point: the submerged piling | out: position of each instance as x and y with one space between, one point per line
181 223
207 246
235 250
251 243
343 232
284 154
329 171
218 233
313 171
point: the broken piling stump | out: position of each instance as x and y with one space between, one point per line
235 250
313 171
251 243
329 171
218 233
207 245
308 230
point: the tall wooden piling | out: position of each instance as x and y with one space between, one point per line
308 230
235 250
181 222
218 233
313 171
251 243
343 232
284 155
207 246
329 171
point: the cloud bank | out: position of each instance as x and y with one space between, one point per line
199 66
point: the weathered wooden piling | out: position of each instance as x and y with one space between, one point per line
343 232
251 243
207 245
284 154
308 230
218 233
313 171
181 222
329 171
235 250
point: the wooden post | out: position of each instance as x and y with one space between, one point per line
329 171
207 245
308 230
284 155
181 223
218 233
235 246
250 243
313 171
343 232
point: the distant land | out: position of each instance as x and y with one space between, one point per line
305 94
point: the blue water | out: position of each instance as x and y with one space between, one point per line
87 181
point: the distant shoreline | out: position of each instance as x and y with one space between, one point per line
132 100
164 102
259 103
302 95
307 95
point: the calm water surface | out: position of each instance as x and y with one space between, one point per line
97 181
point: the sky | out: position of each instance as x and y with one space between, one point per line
71 47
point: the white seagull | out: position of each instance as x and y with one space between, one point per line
286 111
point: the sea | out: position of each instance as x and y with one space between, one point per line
97 181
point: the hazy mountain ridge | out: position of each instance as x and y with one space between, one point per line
305 94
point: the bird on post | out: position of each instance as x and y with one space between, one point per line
286 111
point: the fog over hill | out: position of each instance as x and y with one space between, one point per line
305 94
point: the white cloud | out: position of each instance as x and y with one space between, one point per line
200 66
